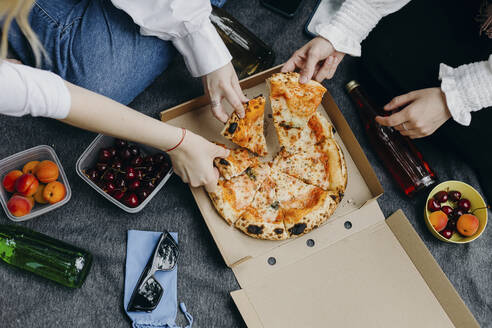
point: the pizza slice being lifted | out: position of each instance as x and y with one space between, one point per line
247 132
293 104
233 196
237 162
263 218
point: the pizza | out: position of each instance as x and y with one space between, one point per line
232 196
302 186
293 104
237 162
247 132
304 206
312 167
263 218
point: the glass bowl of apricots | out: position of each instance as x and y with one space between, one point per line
455 212
33 183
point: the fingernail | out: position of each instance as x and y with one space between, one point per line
303 79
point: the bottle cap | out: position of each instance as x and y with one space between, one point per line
351 85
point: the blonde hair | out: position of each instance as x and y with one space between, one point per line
18 10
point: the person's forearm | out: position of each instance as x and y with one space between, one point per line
93 112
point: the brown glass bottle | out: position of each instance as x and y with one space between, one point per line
398 154
250 55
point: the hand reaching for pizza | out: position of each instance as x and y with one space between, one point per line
220 84
316 60
425 111
193 161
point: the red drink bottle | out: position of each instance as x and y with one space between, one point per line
398 154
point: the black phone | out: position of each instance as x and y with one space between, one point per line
287 8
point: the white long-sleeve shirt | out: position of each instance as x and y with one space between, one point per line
187 24
468 88
26 90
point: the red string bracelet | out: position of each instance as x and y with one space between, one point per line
180 141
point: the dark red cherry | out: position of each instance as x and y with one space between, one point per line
120 183
148 185
451 224
125 154
464 204
117 164
118 194
120 143
143 193
433 205
149 160
139 174
105 155
109 176
134 151
441 196
109 187
112 151
159 158
447 210
130 174
457 212
101 167
131 200
92 174
134 185
454 195
136 161
447 233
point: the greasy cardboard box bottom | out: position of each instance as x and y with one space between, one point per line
357 270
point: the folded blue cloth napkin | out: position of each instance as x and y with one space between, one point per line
140 246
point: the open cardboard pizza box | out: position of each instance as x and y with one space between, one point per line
357 270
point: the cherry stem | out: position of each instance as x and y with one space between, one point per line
480 208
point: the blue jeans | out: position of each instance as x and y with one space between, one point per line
93 44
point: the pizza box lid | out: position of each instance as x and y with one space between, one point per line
381 275
356 270
236 247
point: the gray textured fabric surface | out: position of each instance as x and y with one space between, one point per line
92 222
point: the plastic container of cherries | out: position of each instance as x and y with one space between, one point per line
127 174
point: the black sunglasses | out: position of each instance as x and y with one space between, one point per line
148 292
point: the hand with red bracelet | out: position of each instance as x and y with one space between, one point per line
193 160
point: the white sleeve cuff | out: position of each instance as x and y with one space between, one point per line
350 25
203 51
468 88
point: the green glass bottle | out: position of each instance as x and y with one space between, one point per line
45 256
249 54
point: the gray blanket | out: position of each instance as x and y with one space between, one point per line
90 221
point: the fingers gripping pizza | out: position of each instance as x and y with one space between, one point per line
301 187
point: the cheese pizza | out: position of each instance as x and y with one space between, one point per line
302 186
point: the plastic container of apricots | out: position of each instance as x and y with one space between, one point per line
476 203
17 162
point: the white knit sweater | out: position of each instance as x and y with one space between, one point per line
468 88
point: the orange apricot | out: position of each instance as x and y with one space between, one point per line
38 196
9 180
26 185
439 220
467 224
30 167
19 205
54 192
47 171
